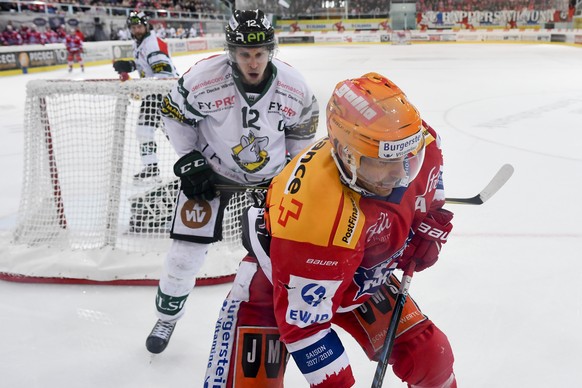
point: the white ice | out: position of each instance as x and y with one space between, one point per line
507 289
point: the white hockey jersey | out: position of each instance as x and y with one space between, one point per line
243 136
152 58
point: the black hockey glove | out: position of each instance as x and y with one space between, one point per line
196 176
124 66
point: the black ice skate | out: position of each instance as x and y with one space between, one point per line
150 173
160 336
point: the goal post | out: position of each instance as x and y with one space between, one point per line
83 218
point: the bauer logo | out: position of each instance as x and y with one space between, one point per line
195 214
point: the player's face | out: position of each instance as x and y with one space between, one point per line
138 31
252 63
380 176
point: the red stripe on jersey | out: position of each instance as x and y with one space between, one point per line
163 46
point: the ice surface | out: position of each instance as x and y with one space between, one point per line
507 290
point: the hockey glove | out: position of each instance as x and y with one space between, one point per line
196 176
425 245
124 66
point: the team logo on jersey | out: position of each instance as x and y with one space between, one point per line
369 279
170 109
195 214
250 154
310 300
434 182
313 294
376 231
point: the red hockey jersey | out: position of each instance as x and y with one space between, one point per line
331 248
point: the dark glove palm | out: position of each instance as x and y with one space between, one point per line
196 175
425 245
122 66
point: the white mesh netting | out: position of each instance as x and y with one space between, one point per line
82 214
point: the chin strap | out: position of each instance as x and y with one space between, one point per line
350 182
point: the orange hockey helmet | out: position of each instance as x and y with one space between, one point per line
376 133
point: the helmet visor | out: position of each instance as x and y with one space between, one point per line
380 176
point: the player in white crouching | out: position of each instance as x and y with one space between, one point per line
233 119
151 60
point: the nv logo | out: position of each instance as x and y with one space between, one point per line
261 357
195 214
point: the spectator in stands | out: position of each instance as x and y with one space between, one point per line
51 36
171 32
193 32
62 33
36 37
11 36
79 34
180 32
123 34
24 33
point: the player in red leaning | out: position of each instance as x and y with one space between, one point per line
340 218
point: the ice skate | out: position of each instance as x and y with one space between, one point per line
160 336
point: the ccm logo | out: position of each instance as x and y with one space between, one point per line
192 165
432 232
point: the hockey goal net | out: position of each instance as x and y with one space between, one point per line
83 218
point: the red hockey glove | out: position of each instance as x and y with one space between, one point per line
425 245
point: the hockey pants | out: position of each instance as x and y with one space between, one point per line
246 351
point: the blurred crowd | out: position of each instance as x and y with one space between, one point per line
381 8
61 6
284 9
12 36
163 32
490 5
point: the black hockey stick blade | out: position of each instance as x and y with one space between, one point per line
502 176
239 189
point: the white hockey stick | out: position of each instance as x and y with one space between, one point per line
502 176
492 187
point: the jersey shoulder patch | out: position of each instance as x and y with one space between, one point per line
307 202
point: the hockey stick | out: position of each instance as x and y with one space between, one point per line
492 187
240 189
391 333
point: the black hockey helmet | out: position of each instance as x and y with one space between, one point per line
137 17
249 28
